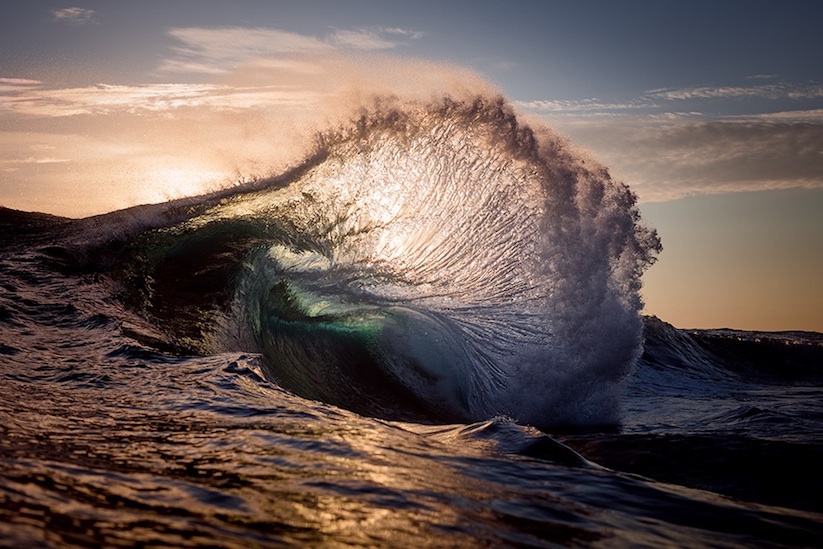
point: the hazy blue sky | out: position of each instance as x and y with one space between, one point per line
711 111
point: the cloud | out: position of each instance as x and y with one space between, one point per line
12 165
663 101
665 159
377 38
583 106
664 153
34 100
17 84
764 91
220 50
812 116
75 16
407 33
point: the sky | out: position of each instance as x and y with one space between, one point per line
711 111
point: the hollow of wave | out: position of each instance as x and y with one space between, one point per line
430 262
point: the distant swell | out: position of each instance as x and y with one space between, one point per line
768 357
430 261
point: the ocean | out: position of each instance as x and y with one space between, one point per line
427 332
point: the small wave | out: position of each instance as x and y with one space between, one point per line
773 357
504 435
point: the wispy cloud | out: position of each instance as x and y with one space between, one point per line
19 82
764 91
219 50
664 101
16 85
376 38
583 106
14 164
814 116
30 98
75 16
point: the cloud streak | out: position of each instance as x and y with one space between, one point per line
75 16
668 100
221 50
29 98
584 106
765 91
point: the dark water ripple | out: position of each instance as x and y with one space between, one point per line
143 462
105 441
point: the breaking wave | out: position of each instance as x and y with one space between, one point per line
430 261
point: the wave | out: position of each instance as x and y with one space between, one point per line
763 357
429 261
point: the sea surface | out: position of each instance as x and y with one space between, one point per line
425 334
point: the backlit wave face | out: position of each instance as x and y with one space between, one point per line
439 261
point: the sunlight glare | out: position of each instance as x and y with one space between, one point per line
167 183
